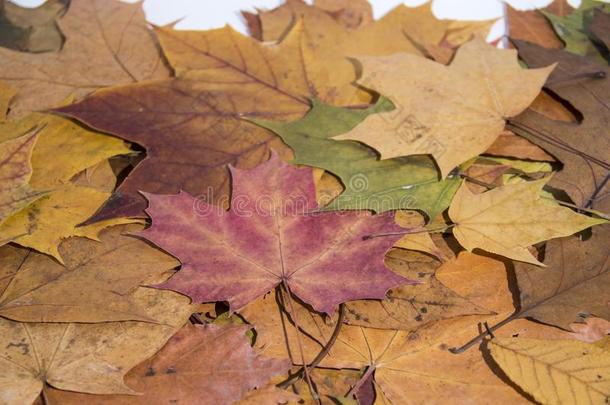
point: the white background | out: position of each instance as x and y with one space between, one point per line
206 14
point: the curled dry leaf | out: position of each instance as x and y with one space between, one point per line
271 236
482 86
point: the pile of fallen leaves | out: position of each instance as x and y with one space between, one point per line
331 210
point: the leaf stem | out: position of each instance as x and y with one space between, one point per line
576 207
369 370
487 332
323 353
407 232
312 389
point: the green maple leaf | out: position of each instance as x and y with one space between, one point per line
370 183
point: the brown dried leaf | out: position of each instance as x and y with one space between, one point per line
108 43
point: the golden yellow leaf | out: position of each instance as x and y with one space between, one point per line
45 223
555 371
508 219
63 149
451 112
328 43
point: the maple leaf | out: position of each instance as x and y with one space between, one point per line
451 112
555 372
403 29
370 183
580 146
15 172
63 149
508 219
31 29
107 43
269 237
84 357
575 281
55 216
216 360
410 306
96 284
409 366
222 76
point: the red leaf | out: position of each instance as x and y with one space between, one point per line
272 235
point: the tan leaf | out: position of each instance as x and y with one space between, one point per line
575 282
84 357
204 365
532 26
452 112
411 306
508 219
107 43
511 145
97 283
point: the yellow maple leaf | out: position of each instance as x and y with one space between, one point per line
454 112
508 219
555 371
